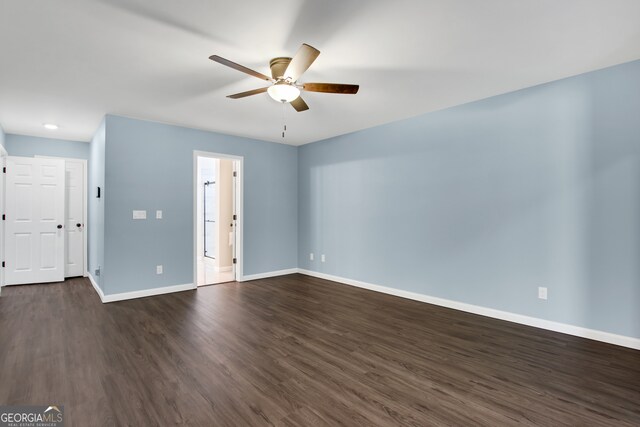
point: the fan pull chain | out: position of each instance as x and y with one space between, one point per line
284 123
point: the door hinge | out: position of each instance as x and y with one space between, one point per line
235 261
235 174
3 263
4 217
4 169
234 217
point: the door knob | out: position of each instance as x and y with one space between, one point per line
78 225
59 226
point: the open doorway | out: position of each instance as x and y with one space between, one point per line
217 218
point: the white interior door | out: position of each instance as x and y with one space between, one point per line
34 209
3 155
74 221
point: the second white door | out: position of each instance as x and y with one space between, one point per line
74 220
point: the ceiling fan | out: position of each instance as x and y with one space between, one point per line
285 73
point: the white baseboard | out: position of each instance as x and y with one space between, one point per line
95 286
148 292
268 274
138 294
564 328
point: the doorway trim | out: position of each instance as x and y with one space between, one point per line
239 210
85 197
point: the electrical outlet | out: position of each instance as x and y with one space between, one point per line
311 256
158 269
542 292
139 214
322 258
158 214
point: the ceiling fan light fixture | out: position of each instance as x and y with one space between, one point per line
283 92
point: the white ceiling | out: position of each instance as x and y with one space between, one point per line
71 62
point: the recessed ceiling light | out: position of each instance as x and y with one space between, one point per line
50 126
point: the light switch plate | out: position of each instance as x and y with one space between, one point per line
139 214
158 214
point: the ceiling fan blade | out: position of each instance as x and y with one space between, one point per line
301 61
331 88
239 67
248 93
299 104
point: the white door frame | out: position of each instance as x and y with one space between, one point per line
239 271
84 206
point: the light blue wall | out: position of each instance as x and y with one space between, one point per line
29 146
95 226
150 166
484 202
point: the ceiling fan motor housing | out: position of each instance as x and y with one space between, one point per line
279 66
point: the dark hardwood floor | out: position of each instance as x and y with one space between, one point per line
299 351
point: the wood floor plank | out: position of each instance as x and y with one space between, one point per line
299 351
